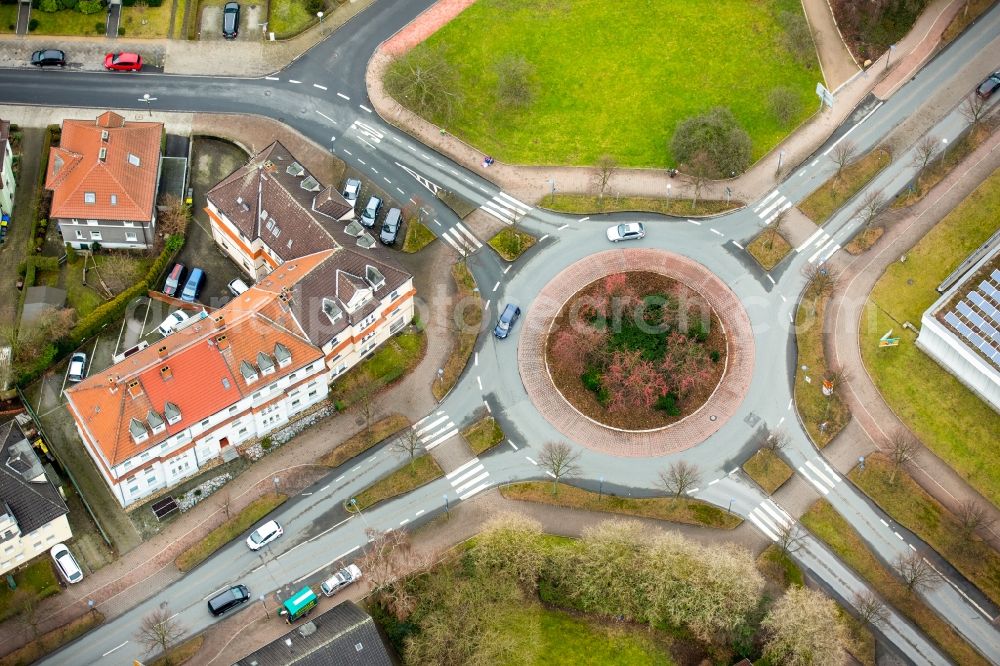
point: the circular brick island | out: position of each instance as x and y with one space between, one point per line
693 428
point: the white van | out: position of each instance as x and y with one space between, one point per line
66 563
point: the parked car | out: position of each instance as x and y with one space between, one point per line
630 231
171 323
77 367
231 20
237 287
350 574
506 321
174 280
193 286
264 535
227 600
123 62
352 190
48 58
371 210
989 86
66 564
390 226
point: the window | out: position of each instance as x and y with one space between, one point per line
133 490
205 422
131 237
114 199
95 235
312 394
394 295
89 197
256 395
232 409
242 432
79 234
133 159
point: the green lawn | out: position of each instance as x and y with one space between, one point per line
362 440
8 18
511 243
69 22
814 407
393 359
947 417
423 470
418 236
38 579
586 204
617 77
483 434
768 470
51 641
769 251
143 21
287 18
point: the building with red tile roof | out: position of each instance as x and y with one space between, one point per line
104 176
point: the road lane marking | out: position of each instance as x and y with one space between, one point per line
543 238
512 445
272 78
771 278
583 219
317 569
404 521
331 120
458 470
716 231
365 108
737 245
844 136
115 648
809 240
531 461
496 286
480 382
695 223
342 95
764 201
562 227
488 408
324 487
713 482
420 513
293 81
329 529
316 85
477 357
507 269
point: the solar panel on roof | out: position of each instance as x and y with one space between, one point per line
995 275
952 319
963 329
964 308
975 339
975 297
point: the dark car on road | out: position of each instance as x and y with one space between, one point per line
989 86
506 321
231 20
48 58
229 599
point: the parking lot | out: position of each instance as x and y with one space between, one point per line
368 190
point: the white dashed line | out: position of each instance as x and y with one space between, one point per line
692 491
400 191
783 299
697 224
562 227
583 219
316 85
716 232
504 270
898 535
883 522
324 487
543 238
365 108
480 382
713 482
496 286
272 78
343 96
396 139
338 478
362 162
487 306
813 163
468 181
737 245
911 547
373 170
771 279
404 521
789 404
386 180
780 421
488 408
437 223
426 157
476 360
420 513
331 120
293 81
348 152
115 648
512 445
531 461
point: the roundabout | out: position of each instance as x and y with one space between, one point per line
703 420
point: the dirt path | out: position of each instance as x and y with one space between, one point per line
13 251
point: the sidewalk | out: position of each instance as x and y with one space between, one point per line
530 184
874 418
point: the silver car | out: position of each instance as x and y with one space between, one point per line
371 210
630 231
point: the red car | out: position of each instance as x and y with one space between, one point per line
123 62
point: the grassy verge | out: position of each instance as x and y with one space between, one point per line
418 236
511 243
814 407
37 580
146 22
362 440
472 317
51 641
941 166
969 13
390 362
229 530
823 521
287 18
181 654
457 203
913 508
483 435
768 470
834 193
589 204
864 239
8 19
768 250
947 417
177 29
682 510
423 470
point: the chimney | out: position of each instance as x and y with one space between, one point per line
162 351
165 373
222 341
220 321
112 384
134 388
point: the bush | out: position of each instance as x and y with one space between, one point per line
797 38
313 6
128 3
48 6
46 263
99 28
68 4
668 403
32 25
154 3
90 7
713 142
70 253
121 31
785 105
95 247
714 356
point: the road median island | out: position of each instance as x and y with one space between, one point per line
769 249
229 530
468 299
420 471
483 435
912 507
364 439
827 525
588 204
768 470
51 641
418 236
829 197
675 510
511 243
180 654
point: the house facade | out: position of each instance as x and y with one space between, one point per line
33 515
185 403
7 184
104 177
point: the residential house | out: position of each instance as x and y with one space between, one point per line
32 512
103 177
345 635
272 210
7 184
170 410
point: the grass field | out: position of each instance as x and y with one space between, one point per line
142 21
418 236
69 22
8 18
814 407
832 194
362 440
393 359
599 93
511 243
586 204
465 339
947 417
287 18
37 579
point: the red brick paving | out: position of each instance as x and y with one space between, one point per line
678 436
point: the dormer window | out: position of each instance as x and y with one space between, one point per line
282 354
89 197
172 412
102 154
374 277
156 423
265 363
138 431
133 159
332 310
248 371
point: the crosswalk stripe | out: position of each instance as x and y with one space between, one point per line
777 202
764 201
462 478
447 239
819 486
772 525
775 214
502 214
816 234
520 206
479 488
833 251
475 241
467 247
432 424
783 519
820 250
442 438
816 470
429 416
468 484
833 474
761 526
461 468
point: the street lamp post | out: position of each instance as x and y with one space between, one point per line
670 193
552 192
149 102
729 193
781 156
730 509
888 55
320 16
446 509
600 492
861 462
264 604
944 151
354 503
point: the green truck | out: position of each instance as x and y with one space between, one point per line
298 605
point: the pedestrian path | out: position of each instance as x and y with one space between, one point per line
771 206
469 479
434 429
506 208
820 474
771 519
461 239
824 244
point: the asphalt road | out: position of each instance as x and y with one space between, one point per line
322 95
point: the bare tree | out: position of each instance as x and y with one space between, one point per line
515 88
784 103
902 447
559 460
842 155
872 204
159 630
408 443
226 503
871 609
772 228
776 440
389 558
917 574
700 170
118 271
974 109
821 279
173 215
973 517
365 396
680 477
425 81
790 539
606 168
925 151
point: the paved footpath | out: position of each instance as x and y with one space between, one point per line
873 419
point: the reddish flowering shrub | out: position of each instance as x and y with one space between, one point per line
632 382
